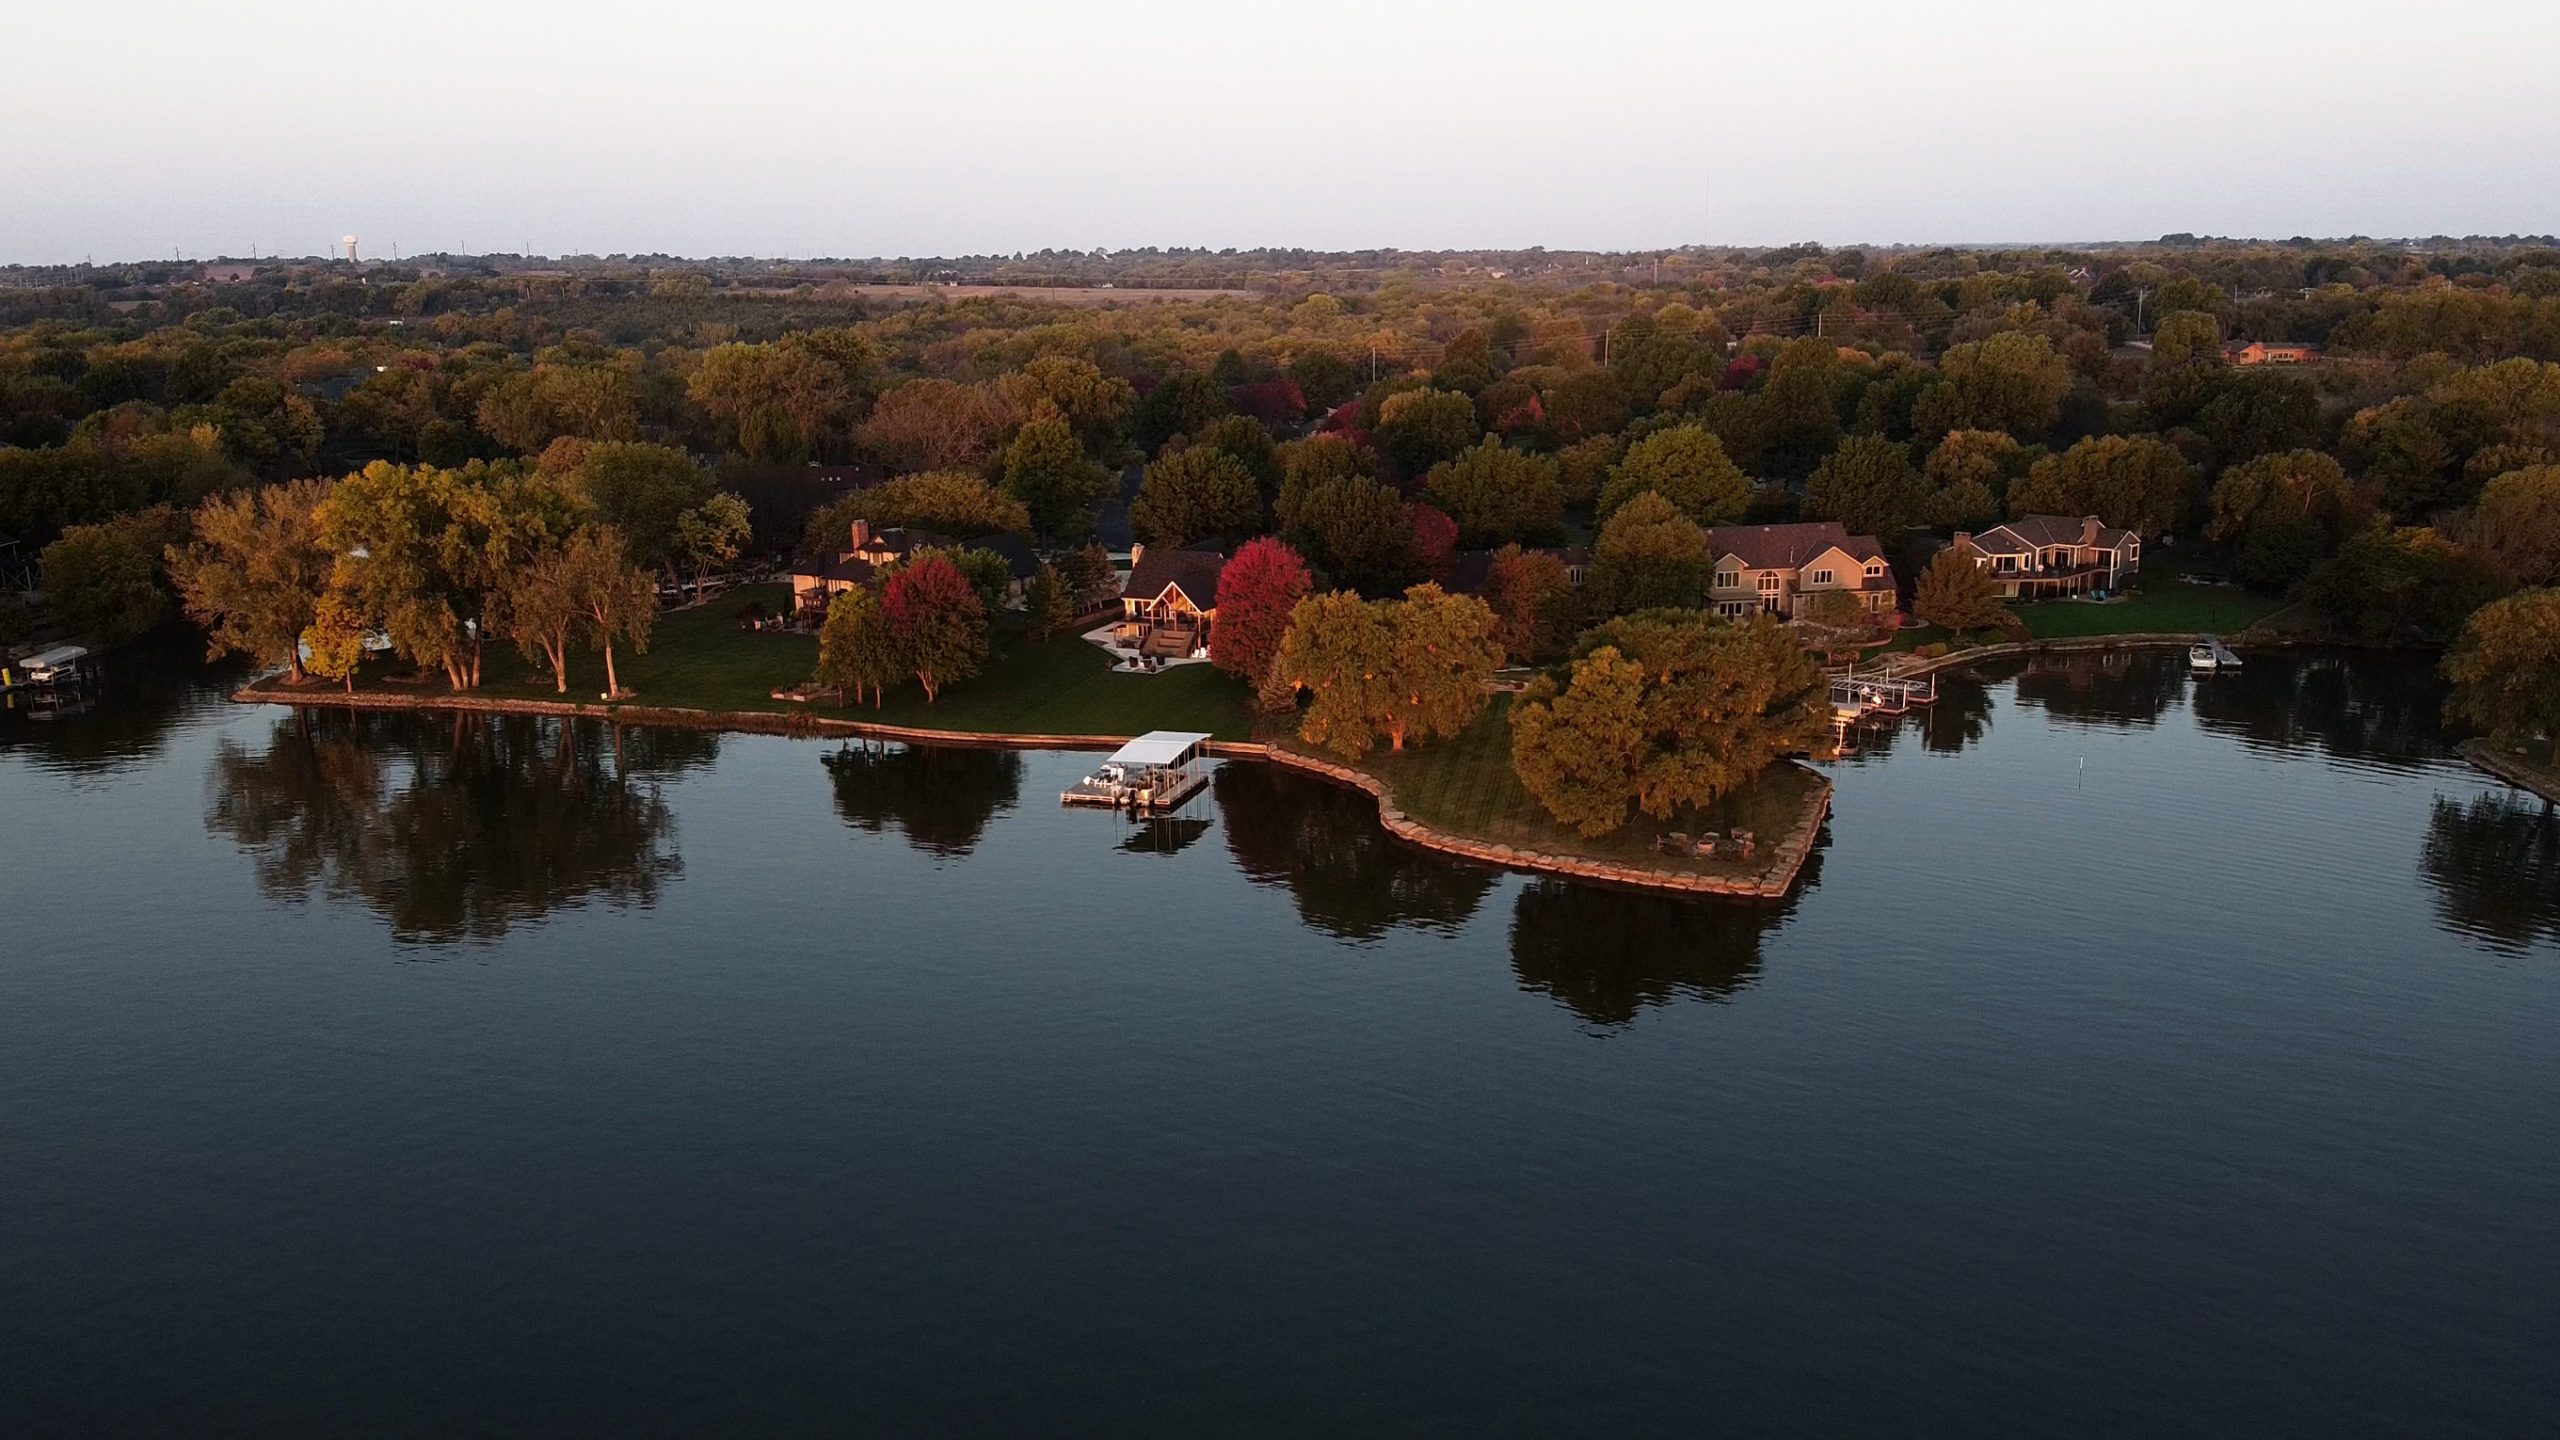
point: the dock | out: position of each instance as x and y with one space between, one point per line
1150 775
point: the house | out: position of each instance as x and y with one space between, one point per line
1772 568
1169 607
2270 352
2042 556
229 274
1471 570
815 584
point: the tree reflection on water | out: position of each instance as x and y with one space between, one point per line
1350 878
2376 707
1606 954
2494 865
940 797
454 827
2105 687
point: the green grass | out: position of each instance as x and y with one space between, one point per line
2161 606
1465 786
699 659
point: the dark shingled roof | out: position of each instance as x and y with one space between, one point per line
2041 531
1019 562
1196 571
1787 547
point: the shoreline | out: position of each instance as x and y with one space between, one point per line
2531 779
1787 853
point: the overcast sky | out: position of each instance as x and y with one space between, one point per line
968 126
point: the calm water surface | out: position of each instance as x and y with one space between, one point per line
2141 1056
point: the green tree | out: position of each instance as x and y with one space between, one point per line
1051 601
1182 403
1665 710
2505 669
1314 461
1955 594
1649 555
1046 470
104 581
2409 586
1359 533
2279 515
1395 669
1498 495
1093 404
774 402
1685 465
546 608
1868 486
617 597
1966 475
2130 481
645 492
254 571
1194 495
945 502
1243 437
1444 656
1421 428
712 534
2013 381
856 652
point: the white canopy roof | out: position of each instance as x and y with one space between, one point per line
1158 747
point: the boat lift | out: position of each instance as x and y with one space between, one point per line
1154 773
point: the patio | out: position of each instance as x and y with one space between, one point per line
1142 648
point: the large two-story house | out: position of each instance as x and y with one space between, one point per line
2042 556
1169 606
814 585
1771 568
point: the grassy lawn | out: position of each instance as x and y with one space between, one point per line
1466 787
2161 605
700 659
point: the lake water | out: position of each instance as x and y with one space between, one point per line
2141 1055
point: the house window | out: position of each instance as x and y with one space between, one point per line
1875 572
1768 583
2008 564
1732 609
1821 577
1729 580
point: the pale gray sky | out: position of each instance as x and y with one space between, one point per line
767 127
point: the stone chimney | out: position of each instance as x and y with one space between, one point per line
861 533
2089 530
1964 540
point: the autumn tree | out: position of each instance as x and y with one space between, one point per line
254 571
1956 594
1866 484
1194 495
1182 403
1257 592
1967 473
1359 533
1244 438
2279 515
1686 466
1498 495
644 491
774 402
1093 404
335 638
1316 461
546 607
2515 526
1047 471
1396 669
2405 586
1650 554
104 580
1050 600
937 621
1665 710
939 425
2505 668
1531 597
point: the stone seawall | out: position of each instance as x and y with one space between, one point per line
1786 856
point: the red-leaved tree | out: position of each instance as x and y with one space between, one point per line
1256 592
1435 540
937 622
1273 402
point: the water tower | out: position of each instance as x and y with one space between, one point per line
348 244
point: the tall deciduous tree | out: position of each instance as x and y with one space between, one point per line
1421 428
2013 382
947 502
2516 525
773 402
2130 481
618 599
1197 494
1650 554
1666 709
335 637
1955 594
856 652
1686 466
1866 484
1498 495
645 492
2505 669
940 625
1392 669
712 534
1531 596
1359 533
254 570
1257 592
1046 469
546 606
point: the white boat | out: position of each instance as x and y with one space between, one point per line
52 667
2200 656
1157 771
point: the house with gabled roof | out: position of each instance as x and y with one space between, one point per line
1169 606
2041 557
815 584
1770 569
